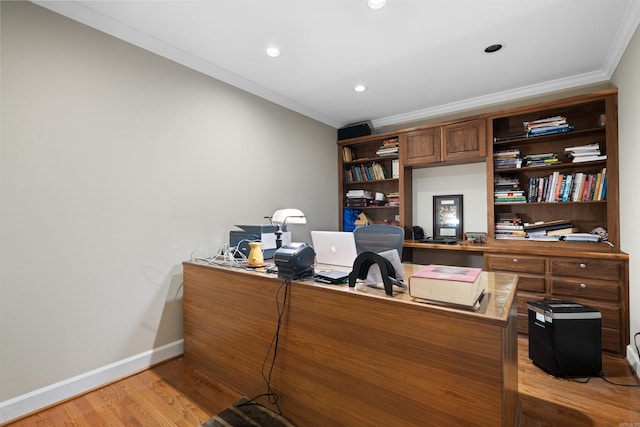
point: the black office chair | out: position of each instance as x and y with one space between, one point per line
379 238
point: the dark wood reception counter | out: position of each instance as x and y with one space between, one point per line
355 356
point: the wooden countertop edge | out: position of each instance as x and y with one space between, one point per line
378 294
562 249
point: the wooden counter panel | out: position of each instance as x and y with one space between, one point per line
232 323
355 357
419 364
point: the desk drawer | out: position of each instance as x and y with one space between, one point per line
531 283
591 289
586 267
516 263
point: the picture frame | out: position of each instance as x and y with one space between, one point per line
447 216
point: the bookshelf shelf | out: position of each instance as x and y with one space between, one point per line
583 115
356 157
545 138
371 181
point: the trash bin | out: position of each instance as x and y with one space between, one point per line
565 338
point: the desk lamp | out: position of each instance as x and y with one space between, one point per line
282 217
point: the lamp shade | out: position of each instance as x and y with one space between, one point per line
288 216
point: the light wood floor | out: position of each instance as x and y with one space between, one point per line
173 394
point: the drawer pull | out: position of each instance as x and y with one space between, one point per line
583 265
583 286
515 260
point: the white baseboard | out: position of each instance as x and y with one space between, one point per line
634 360
54 393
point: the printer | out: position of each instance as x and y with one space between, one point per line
294 260
266 233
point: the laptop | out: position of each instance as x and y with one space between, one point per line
334 247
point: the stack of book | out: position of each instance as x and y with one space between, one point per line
507 159
585 153
509 226
549 230
393 199
359 198
506 189
547 126
544 159
389 147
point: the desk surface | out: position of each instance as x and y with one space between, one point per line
356 356
493 306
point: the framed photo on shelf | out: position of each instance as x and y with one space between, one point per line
447 216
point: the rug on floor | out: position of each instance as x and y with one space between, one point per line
245 413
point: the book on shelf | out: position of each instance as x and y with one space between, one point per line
543 238
395 168
509 199
508 218
543 159
389 147
393 198
581 237
552 224
461 286
510 227
548 121
582 150
499 236
510 137
359 202
592 158
547 126
562 231
358 193
348 155
371 172
542 131
507 159
508 193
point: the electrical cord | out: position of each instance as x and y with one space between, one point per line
225 256
273 349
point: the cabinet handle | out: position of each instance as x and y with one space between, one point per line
583 286
583 265
515 260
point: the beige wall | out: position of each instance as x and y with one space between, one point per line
116 164
626 79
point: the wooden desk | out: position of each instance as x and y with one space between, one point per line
355 356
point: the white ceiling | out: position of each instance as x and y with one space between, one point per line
418 58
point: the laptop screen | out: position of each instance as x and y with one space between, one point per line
334 247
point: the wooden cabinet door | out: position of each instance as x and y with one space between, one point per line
422 146
465 140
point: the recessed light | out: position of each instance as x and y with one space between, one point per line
376 4
360 88
273 52
493 48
